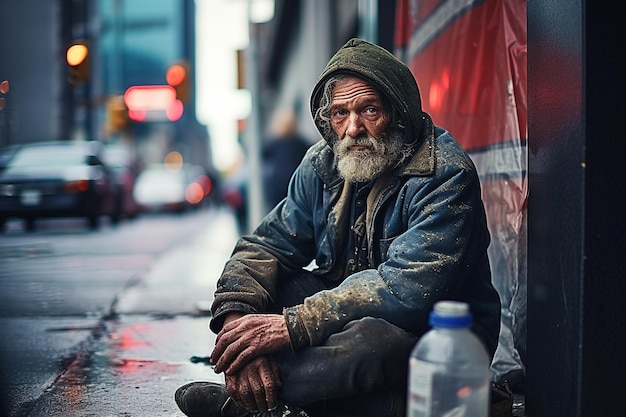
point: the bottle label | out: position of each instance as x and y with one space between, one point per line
420 388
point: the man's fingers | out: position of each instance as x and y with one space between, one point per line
226 337
235 356
228 353
236 353
275 373
258 391
245 394
240 359
244 390
234 387
222 342
217 352
224 359
247 338
256 386
271 384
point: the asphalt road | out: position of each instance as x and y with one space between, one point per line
106 323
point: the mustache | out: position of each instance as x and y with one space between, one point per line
362 140
367 141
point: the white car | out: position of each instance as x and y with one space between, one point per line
160 188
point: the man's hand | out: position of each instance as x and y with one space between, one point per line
256 385
247 338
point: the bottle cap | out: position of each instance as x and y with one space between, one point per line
450 314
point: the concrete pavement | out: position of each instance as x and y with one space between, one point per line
130 362
131 369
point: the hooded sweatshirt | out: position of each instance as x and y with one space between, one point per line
381 69
425 229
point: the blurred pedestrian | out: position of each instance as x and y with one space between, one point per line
388 206
282 152
235 192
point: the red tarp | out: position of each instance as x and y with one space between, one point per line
469 59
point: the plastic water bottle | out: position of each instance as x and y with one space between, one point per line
449 367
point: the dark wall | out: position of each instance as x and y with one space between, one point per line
604 298
386 23
577 239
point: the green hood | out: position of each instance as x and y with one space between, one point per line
383 70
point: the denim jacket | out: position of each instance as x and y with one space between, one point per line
426 234
427 241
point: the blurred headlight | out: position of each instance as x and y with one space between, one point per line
79 186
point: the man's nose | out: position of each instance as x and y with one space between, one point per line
355 125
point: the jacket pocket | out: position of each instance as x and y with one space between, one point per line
381 249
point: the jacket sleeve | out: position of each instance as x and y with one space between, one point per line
281 245
440 245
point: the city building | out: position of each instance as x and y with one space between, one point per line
125 44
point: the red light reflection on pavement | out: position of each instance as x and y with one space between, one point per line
126 338
129 347
129 365
74 380
141 365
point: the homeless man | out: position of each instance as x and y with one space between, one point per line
388 206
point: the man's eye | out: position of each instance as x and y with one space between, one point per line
340 113
371 110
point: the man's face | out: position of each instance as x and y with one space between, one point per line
365 148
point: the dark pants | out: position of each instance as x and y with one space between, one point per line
360 371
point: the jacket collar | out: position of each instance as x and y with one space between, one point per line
423 161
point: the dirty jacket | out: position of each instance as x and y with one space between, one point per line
425 227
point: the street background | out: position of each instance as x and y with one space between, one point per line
547 72
108 323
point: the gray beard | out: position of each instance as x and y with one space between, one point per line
383 154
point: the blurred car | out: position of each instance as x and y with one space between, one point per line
167 188
6 154
56 179
125 167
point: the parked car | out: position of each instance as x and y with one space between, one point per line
124 164
162 188
6 154
56 179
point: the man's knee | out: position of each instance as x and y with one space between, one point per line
377 336
366 355
377 351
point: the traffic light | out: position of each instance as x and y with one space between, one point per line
178 76
78 61
117 115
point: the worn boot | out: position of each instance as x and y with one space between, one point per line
209 399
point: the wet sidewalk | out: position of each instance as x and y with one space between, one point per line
130 363
132 369
154 340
